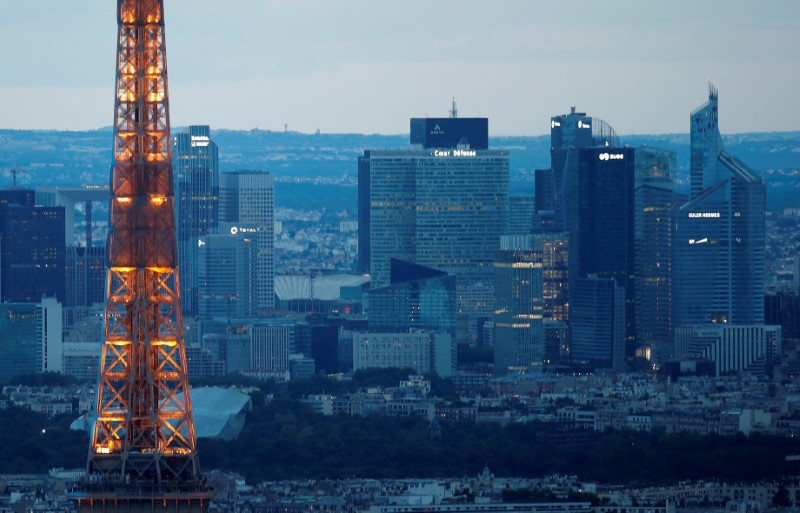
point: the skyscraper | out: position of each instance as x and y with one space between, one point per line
443 208
30 338
32 249
601 222
85 273
719 237
655 206
568 134
598 322
248 197
227 278
518 304
196 170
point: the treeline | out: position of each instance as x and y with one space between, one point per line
286 440
30 443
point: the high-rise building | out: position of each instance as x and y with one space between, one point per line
249 197
85 276
655 207
518 305
601 222
227 279
597 317
521 211
32 249
568 134
196 171
719 235
30 338
443 208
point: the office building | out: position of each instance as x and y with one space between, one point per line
227 279
443 208
417 297
270 343
518 305
521 210
85 276
719 235
30 338
655 207
249 197
783 309
568 134
423 351
601 223
732 348
32 249
196 170
597 316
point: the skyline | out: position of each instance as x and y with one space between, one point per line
352 67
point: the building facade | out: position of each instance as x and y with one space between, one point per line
423 351
443 209
733 349
30 338
518 307
32 249
719 235
598 323
227 278
655 205
418 297
249 197
196 173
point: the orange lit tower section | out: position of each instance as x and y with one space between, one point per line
142 454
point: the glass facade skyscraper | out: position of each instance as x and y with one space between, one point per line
443 209
719 238
601 223
518 301
32 249
196 171
655 206
249 197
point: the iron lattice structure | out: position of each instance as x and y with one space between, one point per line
143 434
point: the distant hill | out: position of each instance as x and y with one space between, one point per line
71 157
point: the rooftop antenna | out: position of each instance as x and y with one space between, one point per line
572 109
454 109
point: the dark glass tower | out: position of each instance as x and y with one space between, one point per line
32 249
601 223
196 171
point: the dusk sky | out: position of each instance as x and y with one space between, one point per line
368 65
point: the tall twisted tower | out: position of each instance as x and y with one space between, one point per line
142 454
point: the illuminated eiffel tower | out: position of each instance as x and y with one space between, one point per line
142 455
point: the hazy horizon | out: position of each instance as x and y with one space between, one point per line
355 66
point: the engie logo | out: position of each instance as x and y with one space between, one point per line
611 156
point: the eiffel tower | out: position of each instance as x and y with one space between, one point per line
142 455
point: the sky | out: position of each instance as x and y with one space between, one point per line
367 66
